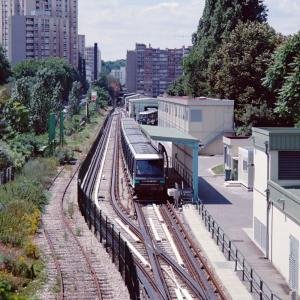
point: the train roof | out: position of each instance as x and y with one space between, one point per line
140 145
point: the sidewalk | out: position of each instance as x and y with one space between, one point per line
232 209
223 269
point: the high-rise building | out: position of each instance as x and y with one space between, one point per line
81 56
92 63
131 72
119 74
39 29
150 71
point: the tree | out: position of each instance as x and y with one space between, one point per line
236 71
5 71
176 88
219 18
107 66
45 98
56 68
102 98
5 156
21 90
282 78
74 97
18 116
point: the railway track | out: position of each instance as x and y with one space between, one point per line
78 273
161 274
163 266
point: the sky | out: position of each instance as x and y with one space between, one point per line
118 24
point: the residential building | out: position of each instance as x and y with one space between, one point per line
36 29
81 56
92 62
150 71
131 72
276 198
119 74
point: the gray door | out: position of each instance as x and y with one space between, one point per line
294 263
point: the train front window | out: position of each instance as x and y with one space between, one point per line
150 168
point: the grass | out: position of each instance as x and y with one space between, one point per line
218 170
22 201
81 138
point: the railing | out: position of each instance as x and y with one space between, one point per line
6 175
104 229
246 273
114 244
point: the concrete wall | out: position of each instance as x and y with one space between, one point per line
282 227
260 187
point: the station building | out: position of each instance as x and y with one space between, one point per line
203 118
140 104
276 198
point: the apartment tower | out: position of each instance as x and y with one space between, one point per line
150 71
37 29
93 62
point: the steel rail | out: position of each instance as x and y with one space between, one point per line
153 257
69 227
154 292
193 259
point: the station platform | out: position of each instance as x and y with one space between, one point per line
231 209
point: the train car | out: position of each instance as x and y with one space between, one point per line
144 163
148 117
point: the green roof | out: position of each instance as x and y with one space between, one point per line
286 199
168 134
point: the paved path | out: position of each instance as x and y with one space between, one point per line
222 268
232 208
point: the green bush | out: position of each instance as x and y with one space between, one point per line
64 155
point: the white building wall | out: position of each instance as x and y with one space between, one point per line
283 227
259 189
213 119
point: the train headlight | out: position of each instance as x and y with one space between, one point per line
136 181
162 181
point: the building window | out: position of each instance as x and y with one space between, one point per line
196 115
289 165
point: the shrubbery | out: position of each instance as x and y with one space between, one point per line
21 204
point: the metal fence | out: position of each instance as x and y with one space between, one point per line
246 273
6 175
104 229
114 244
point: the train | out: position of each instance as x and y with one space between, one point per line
145 165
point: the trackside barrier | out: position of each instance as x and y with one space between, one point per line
6 175
104 229
112 241
246 273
